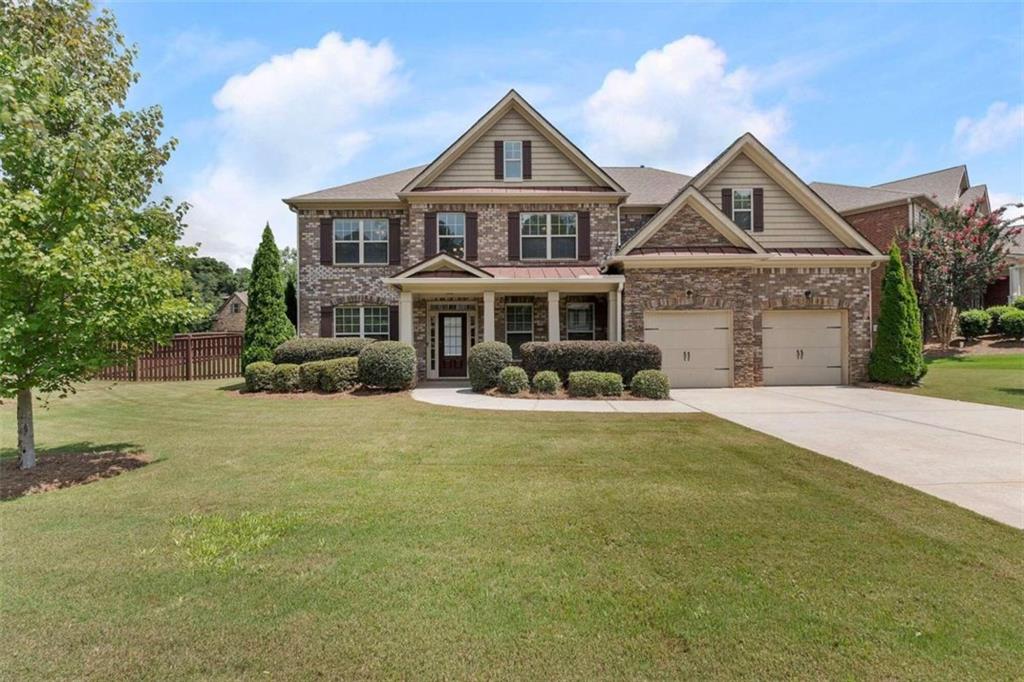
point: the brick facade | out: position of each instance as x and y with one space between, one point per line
686 228
879 227
747 292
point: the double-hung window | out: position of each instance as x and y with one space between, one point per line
743 208
518 326
513 152
368 322
548 236
361 241
236 308
580 321
451 233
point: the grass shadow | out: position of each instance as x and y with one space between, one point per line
66 466
240 386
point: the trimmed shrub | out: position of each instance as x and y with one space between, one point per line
974 323
285 378
623 357
513 380
1018 303
257 376
301 351
995 312
898 355
650 383
266 317
310 374
486 360
340 374
594 384
546 382
1013 324
390 365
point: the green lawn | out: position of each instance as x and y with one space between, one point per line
383 538
991 379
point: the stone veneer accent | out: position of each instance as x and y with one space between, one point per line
686 228
747 292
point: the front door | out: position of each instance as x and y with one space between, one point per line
453 344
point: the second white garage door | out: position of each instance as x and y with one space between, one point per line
802 347
696 346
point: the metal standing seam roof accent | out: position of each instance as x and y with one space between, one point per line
714 250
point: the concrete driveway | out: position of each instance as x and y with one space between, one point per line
969 454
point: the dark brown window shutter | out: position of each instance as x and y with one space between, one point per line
395 241
727 201
326 241
429 234
471 236
583 235
601 318
758 209
393 322
499 160
513 235
527 160
327 321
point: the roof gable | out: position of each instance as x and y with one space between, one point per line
513 110
945 186
789 182
442 265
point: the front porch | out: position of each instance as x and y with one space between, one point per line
448 307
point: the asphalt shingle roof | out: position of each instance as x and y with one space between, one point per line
849 197
943 185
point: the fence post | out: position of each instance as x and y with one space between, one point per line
138 370
188 356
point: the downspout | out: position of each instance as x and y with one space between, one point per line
621 311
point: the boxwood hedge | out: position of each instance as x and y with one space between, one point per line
299 351
486 360
623 357
257 376
390 365
594 384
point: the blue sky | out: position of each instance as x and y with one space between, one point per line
270 100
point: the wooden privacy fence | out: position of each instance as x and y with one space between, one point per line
211 355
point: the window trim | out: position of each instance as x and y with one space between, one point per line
507 332
548 236
361 241
438 231
236 308
593 319
362 322
750 191
504 160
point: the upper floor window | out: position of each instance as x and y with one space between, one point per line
513 160
369 322
236 307
361 240
580 321
451 233
743 208
548 236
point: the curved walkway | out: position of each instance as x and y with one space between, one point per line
460 395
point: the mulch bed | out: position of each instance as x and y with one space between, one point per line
63 470
986 345
315 395
561 395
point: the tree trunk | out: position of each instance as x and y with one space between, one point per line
26 434
944 319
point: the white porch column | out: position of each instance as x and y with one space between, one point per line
554 332
405 316
1016 285
488 316
613 315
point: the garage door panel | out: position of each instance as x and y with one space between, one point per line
810 356
802 338
802 376
698 378
803 319
697 320
696 346
692 339
802 347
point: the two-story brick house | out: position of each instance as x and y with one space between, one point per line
742 274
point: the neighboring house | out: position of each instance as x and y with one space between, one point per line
1010 283
230 317
883 211
742 274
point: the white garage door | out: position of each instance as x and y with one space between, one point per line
802 347
696 346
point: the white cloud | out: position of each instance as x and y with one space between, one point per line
1001 126
997 199
284 128
677 108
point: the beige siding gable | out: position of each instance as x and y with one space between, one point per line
786 222
475 167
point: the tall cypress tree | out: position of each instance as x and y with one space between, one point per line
291 301
898 355
266 321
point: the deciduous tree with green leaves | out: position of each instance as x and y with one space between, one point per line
266 319
90 271
898 355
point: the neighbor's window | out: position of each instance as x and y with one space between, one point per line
743 208
236 307
548 236
370 322
361 240
451 233
580 321
513 160
518 326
